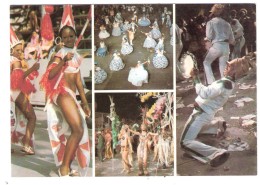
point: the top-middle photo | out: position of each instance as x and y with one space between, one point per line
133 47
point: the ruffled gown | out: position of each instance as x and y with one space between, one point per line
149 42
159 60
116 30
138 75
144 21
103 34
102 50
116 64
100 76
126 48
156 33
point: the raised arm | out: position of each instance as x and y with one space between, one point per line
152 134
61 62
134 132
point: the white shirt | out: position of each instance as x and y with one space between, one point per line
219 30
213 97
237 28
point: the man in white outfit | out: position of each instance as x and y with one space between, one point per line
219 33
238 32
210 99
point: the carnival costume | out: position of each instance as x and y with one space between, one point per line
126 47
57 125
102 50
116 29
144 21
19 84
155 32
160 44
159 60
142 153
138 75
116 63
100 75
126 26
103 34
108 146
149 42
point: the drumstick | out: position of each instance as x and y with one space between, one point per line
75 46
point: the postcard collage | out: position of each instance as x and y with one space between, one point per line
130 90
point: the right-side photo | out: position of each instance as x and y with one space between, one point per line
216 113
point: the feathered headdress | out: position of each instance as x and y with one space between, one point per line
67 17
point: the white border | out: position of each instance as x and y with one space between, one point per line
5 169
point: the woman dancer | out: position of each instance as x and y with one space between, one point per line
138 75
126 48
142 150
116 63
100 75
126 148
160 44
108 144
103 34
144 21
155 32
102 50
61 81
116 29
126 26
159 60
21 88
149 42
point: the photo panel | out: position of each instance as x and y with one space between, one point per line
133 46
216 89
134 134
51 90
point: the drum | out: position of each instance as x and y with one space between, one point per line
186 64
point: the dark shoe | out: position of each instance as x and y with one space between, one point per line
164 166
186 155
222 132
219 160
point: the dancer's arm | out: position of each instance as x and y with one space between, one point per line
84 102
61 63
134 132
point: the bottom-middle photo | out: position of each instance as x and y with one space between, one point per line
134 134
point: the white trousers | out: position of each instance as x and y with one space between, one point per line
238 47
200 122
218 50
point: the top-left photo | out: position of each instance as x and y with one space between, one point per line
50 90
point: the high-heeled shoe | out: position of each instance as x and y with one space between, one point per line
62 175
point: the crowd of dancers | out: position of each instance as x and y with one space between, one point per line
125 21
